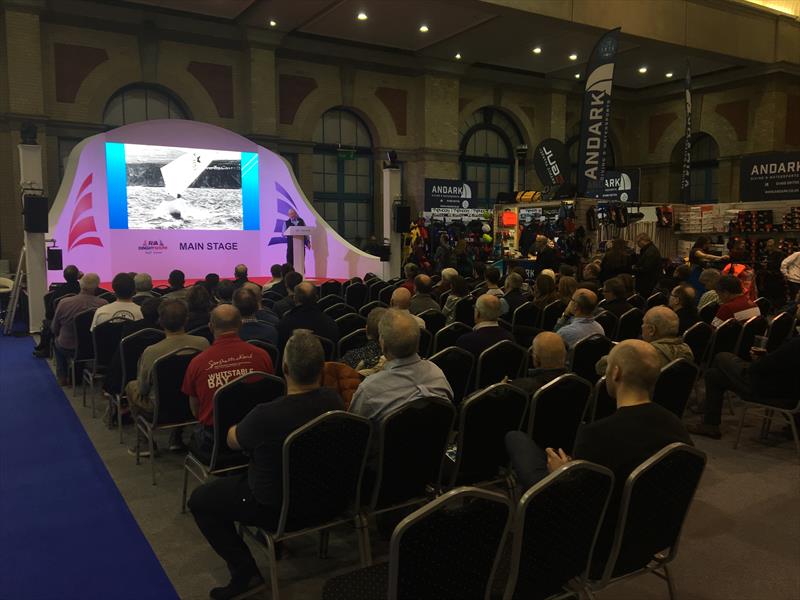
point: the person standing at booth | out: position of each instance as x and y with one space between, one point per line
294 220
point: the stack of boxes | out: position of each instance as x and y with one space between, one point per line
753 221
791 220
706 218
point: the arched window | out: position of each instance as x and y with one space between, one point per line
143 102
343 174
488 141
573 144
704 171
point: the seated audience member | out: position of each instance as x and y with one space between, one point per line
143 286
614 294
544 291
291 281
578 322
682 301
255 497
546 255
240 276
277 277
660 330
405 376
591 277
709 279
549 358
479 274
458 290
629 283
280 287
176 281
565 270
226 359
621 442
252 329
680 275
211 282
172 316
64 318
198 302
225 291
342 379
734 303
422 299
445 285
567 286
492 279
123 307
738 267
401 300
367 356
70 286
487 331
770 377
512 294
526 288
149 318
549 273
306 314
411 271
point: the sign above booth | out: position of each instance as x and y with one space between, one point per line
620 186
452 198
773 176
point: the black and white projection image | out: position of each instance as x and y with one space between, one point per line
183 188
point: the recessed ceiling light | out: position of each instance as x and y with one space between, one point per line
642 70
362 16
458 55
273 23
668 75
577 75
573 56
537 50
423 28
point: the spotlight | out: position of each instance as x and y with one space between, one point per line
577 75
423 28
362 16
668 75
642 70
273 23
458 55
573 56
537 50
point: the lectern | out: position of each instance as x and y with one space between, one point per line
297 237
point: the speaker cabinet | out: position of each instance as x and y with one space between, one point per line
402 219
35 214
54 259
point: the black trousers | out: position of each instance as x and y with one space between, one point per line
527 459
217 505
727 372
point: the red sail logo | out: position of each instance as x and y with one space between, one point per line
82 228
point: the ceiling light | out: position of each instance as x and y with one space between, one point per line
577 75
273 23
573 56
537 50
362 16
458 55
668 75
423 28
642 70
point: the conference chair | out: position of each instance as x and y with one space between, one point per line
330 287
483 421
503 359
608 321
105 341
84 346
602 404
725 339
449 548
652 510
271 295
203 331
698 338
385 293
764 305
323 465
525 323
375 288
637 301
411 445
232 402
602 304
555 529
161 289
350 322
464 311
630 325
108 297
369 306
339 310
752 327
557 410
785 407
271 349
328 347
457 365
674 386
351 341
434 320
131 348
780 330
326 302
551 314
356 294
657 299
586 354
170 405
448 335
708 312
425 343
443 298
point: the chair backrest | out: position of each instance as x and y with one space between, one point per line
708 312
329 347
603 405
108 297
326 302
356 295
425 343
270 349
449 548
725 338
59 299
654 503
330 287
503 359
448 335
764 305
587 352
339 310
698 337
609 322
351 341
557 521
84 343
161 289
367 308
203 331
526 315
464 311
484 419
270 295
350 322
412 439
385 293
235 399
106 338
752 327
323 463
171 405
638 301
780 330
457 365
657 299
443 298
551 313
630 325
132 347
674 385
557 410
434 320
374 288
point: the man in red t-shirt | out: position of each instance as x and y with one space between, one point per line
734 304
225 360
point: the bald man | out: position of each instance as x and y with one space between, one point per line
401 300
549 359
578 322
487 331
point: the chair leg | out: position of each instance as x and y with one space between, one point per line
324 538
185 487
793 426
91 395
365 541
362 551
670 584
119 418
152 455
138 442
739 429
273 567
74 370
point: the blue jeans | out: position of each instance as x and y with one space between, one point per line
527 459
62 359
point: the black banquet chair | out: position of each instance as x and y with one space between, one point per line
586 353
84 346
725 339
457 365
503 359
708 312
698 337
630 325
447 336
330 287
425 343
603 405
271 349
449 548
105 340
465 311
203 331
367 308
339 310
780 330
356 295
350 323
557 410
752 327
674 386
329 347
525 323
637 301
326 302
434 320
657 299
609 322
551 313
351 341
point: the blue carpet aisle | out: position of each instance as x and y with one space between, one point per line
65 530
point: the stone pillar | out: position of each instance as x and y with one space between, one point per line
262 100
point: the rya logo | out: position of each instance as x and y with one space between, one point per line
82 228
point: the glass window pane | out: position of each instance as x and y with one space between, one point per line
330 163
348 127
363 229
113 114
350 211
471 150
363 211
363 165
349 184
318 135
363 139
332 212
350 229
331 131
349 167
330 183
157 106
363 185
135 106
318 163
318 182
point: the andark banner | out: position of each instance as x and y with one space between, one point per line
772 176
686 170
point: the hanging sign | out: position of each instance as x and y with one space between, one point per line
452 197
773 176
620 186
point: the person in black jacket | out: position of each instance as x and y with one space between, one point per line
614 297
648 267
487 331
306 314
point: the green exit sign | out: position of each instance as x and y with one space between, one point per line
346 153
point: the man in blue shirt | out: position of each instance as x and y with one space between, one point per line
577 321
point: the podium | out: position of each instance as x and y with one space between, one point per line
297 237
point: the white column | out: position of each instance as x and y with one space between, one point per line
30 168
391 195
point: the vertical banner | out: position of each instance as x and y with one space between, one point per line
686 182
596 114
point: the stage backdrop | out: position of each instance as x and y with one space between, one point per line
174 194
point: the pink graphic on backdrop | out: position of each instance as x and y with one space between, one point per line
81 226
